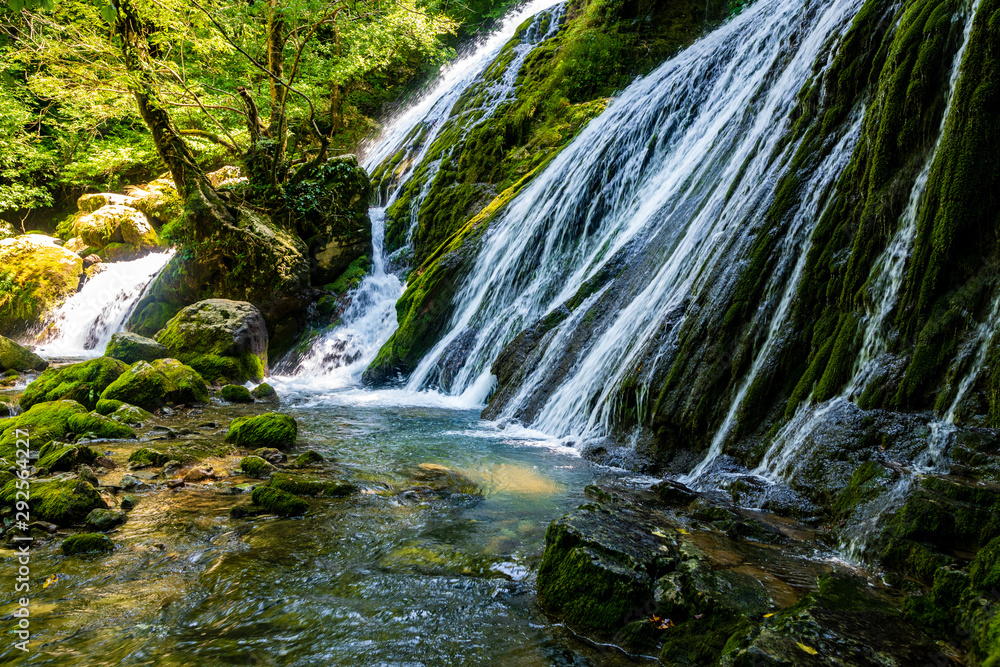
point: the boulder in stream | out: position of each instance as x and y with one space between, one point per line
14 356
86 543
153 385
130 348
64 502
272 429
44 422
83 382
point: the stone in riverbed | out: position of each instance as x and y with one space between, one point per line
145 457
271 455
130 414
82 382
63 502
58 457
225 341
129 501
104 520
236 393
256 467
279 502
153 385
85 543
99 426
307 458
271 430
14 356
44 422
311 486
130 348
265 392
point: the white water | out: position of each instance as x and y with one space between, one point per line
83 326
338 359
657 164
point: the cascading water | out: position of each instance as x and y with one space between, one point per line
83 325
339 357
657 168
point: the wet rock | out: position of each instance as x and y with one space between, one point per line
19 358
171 467
443 481
433 558
255 466
44 422
129 501
130 348
279 502
103 520
130 482
265 392
82 382
59 457
87 475
272 430
145 457
223 340
307 458
130 414
153 385
246 509
85 543
63 502
44 526
175 483
301 485
208 425
199 475
94 425
105 462
236 393
272 456
671 492
41 274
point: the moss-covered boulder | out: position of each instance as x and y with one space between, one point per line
116 224
162 382
83 382
222 340
236 393
267 430
43 422
302 485
90 202
64 502
158 199
254 466
307 458
19 358
98 426
145 457
130 348
279 502
104 520
87 543
36 274
265 392
107 406
130 414
58 457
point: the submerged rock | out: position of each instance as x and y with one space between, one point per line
145 457
85 543
270 455
162 382
83 382
223 340
307 459
311 486
19 358
130 348
279 502
272 430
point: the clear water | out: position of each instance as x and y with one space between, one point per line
189 586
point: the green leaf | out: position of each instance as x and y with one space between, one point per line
16 5
47 5
109 14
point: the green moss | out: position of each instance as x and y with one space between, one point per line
43 423
279 502
81 382
351 277
236 393
867 482
56 457
145 457
265 392
98 426
85 543
35 275
107 406
17 357
130 348
254 466
307 459
306 486
63 502
268 430
162 382
130 414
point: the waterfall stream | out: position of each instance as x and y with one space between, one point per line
83 325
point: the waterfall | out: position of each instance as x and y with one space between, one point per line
682 161
84 324
339 357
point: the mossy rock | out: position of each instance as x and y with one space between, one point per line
130 414
254 466
99 426
271 455
36 274
130 348
64 502
57 457
236 393
311 486
83 382
265 392
161 382
225 341
104 520
245 509
43 422
87 543
116 224
145 457
435 559
14 356
107 406
279 502
268 430
307 459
